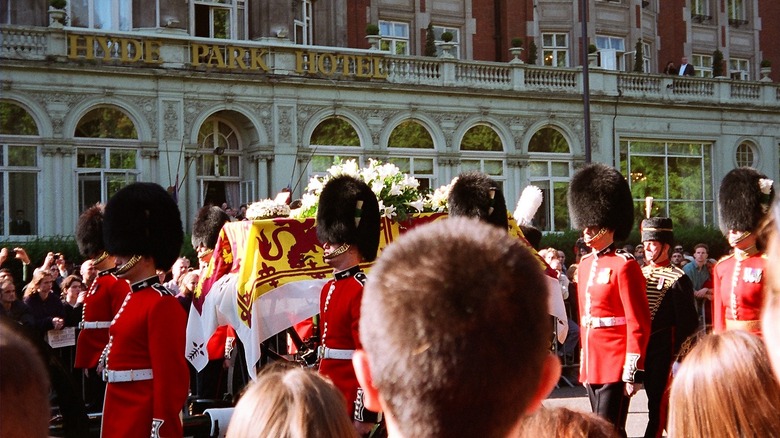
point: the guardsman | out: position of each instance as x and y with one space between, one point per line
101 302
615 316
744 199
673 313
348 228
143 363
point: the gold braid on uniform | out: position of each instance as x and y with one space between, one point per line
666 276
99 259
337 252
128 265
601 232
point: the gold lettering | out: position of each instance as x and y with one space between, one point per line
124 47
345 63
215 54
152 52
256 59
379 72
236 57
105 47
326 69
78 43
303 62
199 52
363 67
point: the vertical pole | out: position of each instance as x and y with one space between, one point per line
585 78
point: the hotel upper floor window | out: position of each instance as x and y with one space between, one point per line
223 19
611 51
302 22
702 65
395 37
736 11
739 69
102 14
677 174
747 155
555 49
700 8
18 171
438 30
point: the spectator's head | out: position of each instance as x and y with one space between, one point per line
24 392
88 272
476 195
71 287
677 259
565 423
180 267
455 332
6 273
142 227
188 282
725 387
7 292
292 403
683 60
701 252
41 283
601 204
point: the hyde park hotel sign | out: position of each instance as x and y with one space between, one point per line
149 51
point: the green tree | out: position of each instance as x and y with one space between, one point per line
335 131
481 138
639 58
410 134
533 53
717 63
430 41
15 120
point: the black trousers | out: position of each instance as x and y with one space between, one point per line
657 368
609 401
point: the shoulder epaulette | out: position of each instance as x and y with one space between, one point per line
162 290
625 254
725 257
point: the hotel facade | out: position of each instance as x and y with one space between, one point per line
233 100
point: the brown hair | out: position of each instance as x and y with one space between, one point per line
725 388
35 283
67 281
292 403
25 386
455 327
565 423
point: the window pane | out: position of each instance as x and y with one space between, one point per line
481 138
494 167
22 156
90 158
542 217
321 163
647 177
548 140
410 134
117 181
122 159
560 40
207 165
89 190
400 47
561 209
538 168
106 123
15 120
547 39
335 132
560 169
221 23
687 149
640 147
684 178
423 165
233 165
23 195
686 214
469 165
404 164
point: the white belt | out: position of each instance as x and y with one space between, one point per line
94 324
335 353
127 375
610 321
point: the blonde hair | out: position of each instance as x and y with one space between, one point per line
291 403
565 423
35 283
184 280
725 388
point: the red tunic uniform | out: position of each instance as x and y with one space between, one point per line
612 286
101 303
148 333
738 293
339 318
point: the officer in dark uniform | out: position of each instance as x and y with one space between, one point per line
143 363
738 293
348 228
673 313
615 317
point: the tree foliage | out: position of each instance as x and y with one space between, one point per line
533 53
15 120
717 63
639 58
410 134
481 138
430 41
106 122
335 131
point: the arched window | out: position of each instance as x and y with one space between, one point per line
219 162
747 155
333 137
550 168
411 148
107 155
483 151
19 170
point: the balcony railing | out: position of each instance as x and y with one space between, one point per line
273 56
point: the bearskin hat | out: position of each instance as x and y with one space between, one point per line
89 232
142 219
476 195
744 198
208 223
599 196
658 228
348 212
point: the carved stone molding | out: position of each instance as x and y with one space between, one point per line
170 120
285 120
63 150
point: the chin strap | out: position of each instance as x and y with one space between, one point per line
740 238
99 259
337 252
128 265
598 235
